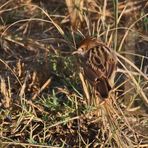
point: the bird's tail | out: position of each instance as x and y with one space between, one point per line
103 88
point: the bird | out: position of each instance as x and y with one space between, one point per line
99 63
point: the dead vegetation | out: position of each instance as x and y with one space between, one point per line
45 100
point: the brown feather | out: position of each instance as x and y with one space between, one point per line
99 64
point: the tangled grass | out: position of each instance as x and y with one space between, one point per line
45 100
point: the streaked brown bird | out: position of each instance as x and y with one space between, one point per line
99 64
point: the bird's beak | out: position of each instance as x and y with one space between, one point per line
79 51
75 52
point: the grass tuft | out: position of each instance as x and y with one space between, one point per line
45 101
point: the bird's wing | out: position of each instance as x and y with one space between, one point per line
108 60
99 82
110 67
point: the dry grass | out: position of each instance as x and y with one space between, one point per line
44 99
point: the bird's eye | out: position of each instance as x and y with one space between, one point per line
82 48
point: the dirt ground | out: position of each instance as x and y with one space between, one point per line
43 100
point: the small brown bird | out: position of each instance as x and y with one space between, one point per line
99 64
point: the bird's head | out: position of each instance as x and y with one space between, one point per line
85 45
80 51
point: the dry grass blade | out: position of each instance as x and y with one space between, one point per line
133 65
5 4
35 19
44 101
6 93
85 88
139 89
11 71
46 84
22 91
75 12
111 117
27 144
129 29
61 122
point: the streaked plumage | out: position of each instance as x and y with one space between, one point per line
99 64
